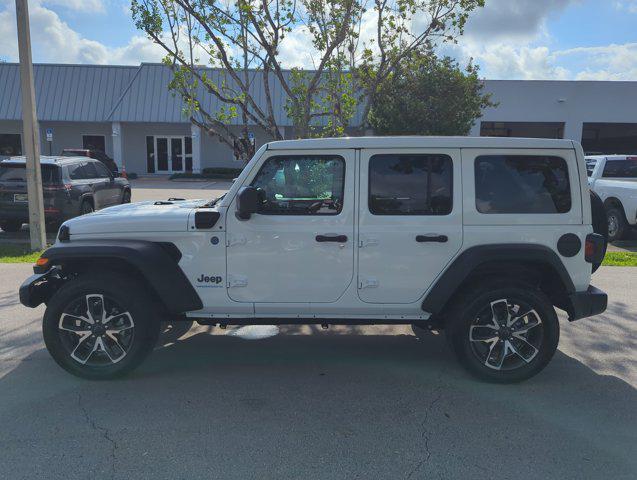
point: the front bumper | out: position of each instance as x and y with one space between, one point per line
586 304
38 288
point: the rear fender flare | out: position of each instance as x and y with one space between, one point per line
469 261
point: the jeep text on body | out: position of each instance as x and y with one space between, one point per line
480 237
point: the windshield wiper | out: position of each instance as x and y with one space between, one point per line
212 203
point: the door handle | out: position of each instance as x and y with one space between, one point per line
331 238
432 238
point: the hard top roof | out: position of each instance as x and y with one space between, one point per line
421 142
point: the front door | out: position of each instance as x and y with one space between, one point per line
299 247
173 154
410 221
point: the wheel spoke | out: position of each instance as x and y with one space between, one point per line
495 357
119 322
525 322
113 349
95 307
500 312
533 350
482 333
74 323
83 350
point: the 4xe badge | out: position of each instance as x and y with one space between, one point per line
210 281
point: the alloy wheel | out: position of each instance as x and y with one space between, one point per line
96 331
506 335
613 225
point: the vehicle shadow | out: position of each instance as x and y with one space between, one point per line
337 404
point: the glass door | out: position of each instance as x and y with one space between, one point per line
161 148
174 154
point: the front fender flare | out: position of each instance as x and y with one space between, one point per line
156 263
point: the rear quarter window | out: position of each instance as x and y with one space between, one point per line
522 184
621 168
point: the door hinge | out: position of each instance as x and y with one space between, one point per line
237 281
367 241
235 240
368 283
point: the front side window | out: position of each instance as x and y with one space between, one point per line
301 185
522 184
621 168
408 184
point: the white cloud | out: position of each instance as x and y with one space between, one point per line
55 41
609 62
629 6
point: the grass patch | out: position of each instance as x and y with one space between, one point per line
620 259
17 254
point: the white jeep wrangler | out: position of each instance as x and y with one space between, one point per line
479 237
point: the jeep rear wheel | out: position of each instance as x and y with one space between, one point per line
94 329
504 334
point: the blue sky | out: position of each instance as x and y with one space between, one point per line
509 39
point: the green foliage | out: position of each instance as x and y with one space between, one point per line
620 259
428 95
18 254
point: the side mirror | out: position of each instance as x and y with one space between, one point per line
248 200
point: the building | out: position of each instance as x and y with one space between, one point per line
128 112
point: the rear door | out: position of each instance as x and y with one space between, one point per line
410 221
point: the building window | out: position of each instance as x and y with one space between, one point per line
522 129
94 142
410 184
10 144
522 184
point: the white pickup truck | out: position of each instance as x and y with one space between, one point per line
614 179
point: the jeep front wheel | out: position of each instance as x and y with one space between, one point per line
504 334
94 329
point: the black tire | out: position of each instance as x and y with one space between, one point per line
86 207
133 331
494 361
11 225
126 196
616 224
600 222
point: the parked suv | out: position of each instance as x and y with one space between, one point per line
96 154
71 186
480 237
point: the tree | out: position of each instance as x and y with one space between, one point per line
354 45
401 29
243 39
428 95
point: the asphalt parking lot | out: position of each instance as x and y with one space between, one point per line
366 402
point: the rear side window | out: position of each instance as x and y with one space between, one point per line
407 184
621 168
522 184
18 173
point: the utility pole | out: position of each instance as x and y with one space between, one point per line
31 130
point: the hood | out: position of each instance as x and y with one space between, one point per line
149 216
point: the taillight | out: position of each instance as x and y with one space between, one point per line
594 248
